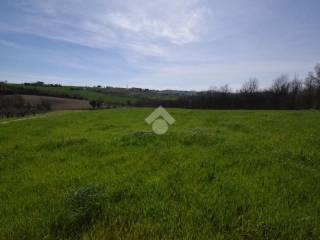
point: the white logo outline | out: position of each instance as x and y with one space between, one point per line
160 120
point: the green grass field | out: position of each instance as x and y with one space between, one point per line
214 175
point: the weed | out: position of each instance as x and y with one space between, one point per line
82 208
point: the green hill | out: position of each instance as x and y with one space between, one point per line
111 95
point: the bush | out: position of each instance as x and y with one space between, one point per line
82 208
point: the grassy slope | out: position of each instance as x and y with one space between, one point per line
215 175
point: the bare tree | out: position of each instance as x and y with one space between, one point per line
225 89
317 71
310 82
280 85
250 87
316 75
295 86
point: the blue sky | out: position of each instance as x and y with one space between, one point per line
159 44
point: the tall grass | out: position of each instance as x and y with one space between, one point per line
214 175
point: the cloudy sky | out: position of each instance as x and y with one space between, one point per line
159 44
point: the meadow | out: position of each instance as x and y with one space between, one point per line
214 175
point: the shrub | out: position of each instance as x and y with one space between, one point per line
82 208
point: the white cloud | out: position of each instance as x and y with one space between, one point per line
9 44
141 25
147 49
180 29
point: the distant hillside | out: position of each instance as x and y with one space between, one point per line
57 103
110 95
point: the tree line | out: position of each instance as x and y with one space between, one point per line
284 93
